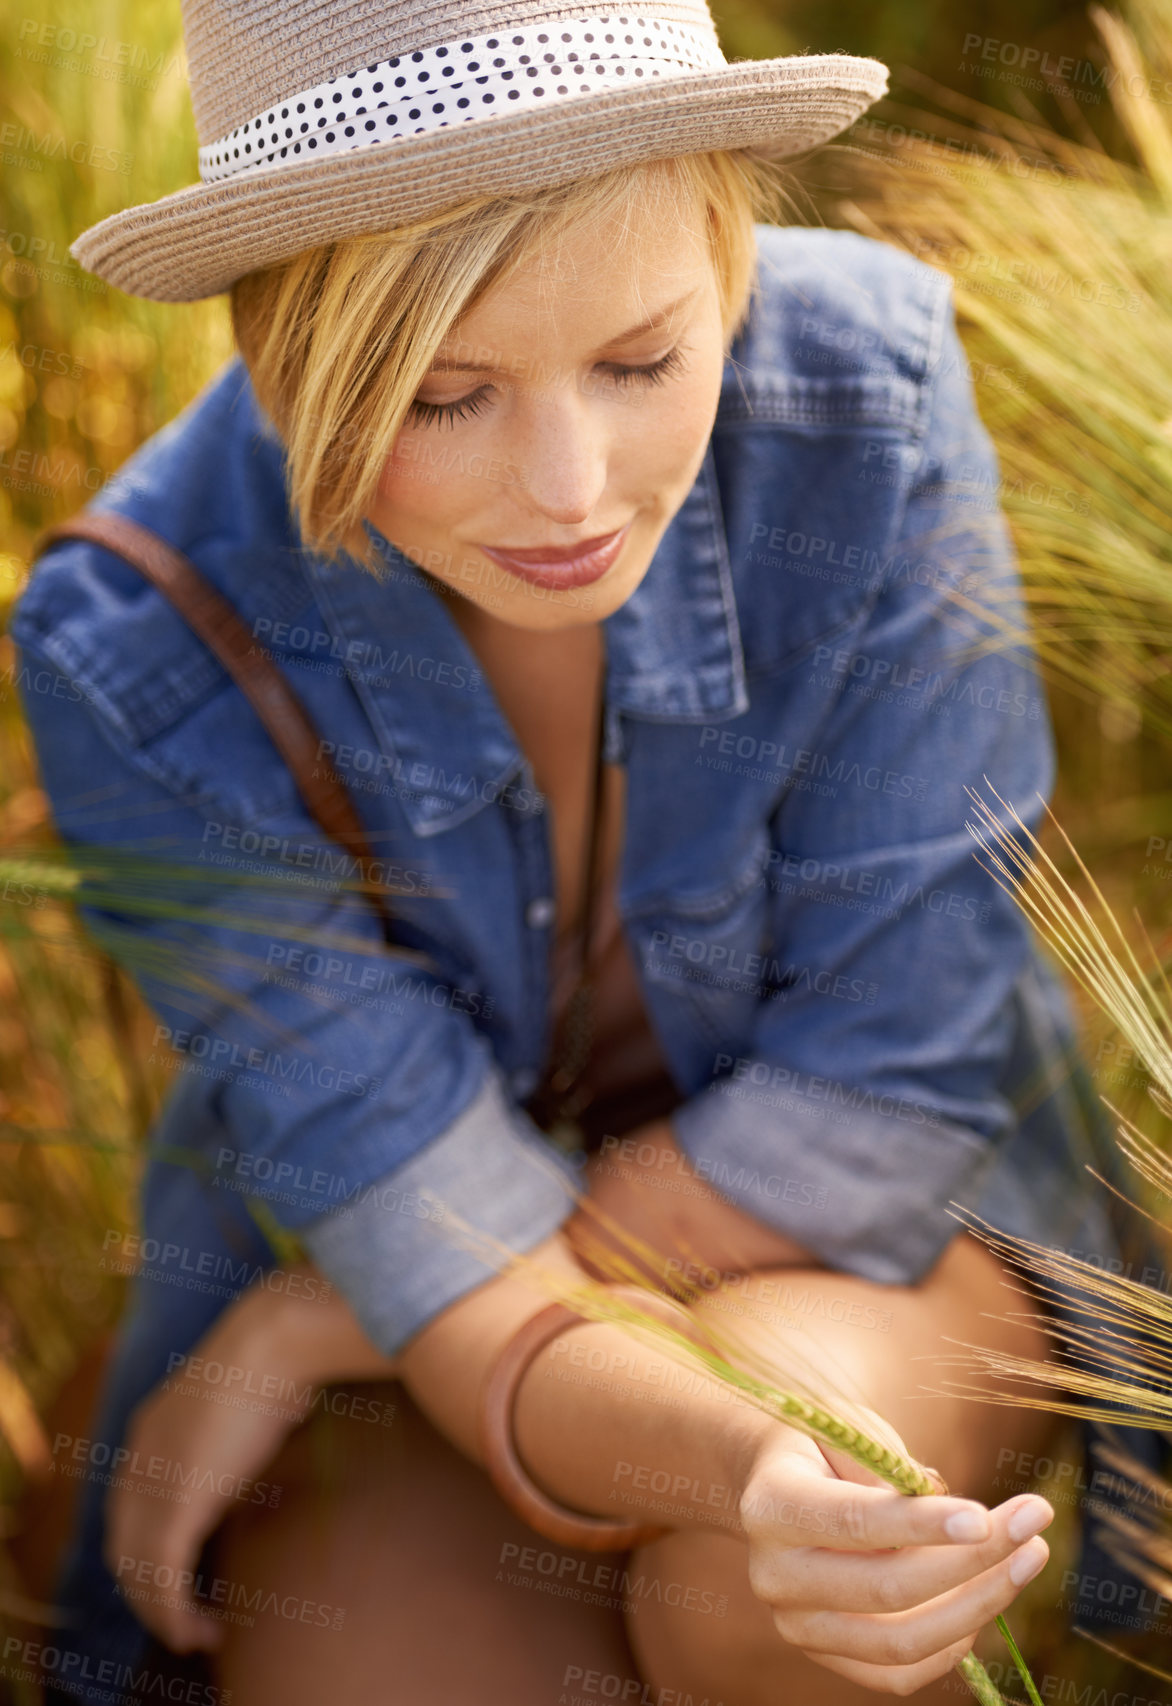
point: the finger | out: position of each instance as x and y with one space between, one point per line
909 1637
814 1576
173 1614
799 1503
155 1574
898 1679
169 1611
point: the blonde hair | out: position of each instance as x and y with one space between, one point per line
338 339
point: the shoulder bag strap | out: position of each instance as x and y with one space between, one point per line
254 672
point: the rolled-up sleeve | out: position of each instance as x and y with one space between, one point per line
871 1093
398 1257
367 1128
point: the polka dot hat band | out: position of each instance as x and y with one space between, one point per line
333 118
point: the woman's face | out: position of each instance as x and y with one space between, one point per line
573 403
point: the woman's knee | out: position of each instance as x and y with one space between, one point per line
404 1540
695 1626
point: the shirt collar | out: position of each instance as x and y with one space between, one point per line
673 655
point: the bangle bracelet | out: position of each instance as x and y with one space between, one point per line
504 1467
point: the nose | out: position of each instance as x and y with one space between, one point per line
564 454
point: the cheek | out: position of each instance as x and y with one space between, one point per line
416 481
667 433
403 473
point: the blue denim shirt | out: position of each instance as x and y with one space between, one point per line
847 1002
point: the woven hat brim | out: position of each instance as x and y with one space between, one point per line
199 240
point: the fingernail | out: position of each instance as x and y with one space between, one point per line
1029 1519
968 1525
1027 1563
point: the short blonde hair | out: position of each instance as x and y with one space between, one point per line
338 339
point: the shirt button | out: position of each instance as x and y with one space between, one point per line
540 913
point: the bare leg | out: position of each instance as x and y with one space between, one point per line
445 1598
448 1598
740 1660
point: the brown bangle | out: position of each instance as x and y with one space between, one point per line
505 1469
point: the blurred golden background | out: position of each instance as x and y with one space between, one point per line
1026 148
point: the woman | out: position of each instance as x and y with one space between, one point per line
617 590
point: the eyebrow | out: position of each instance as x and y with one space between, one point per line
652 324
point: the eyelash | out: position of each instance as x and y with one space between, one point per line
654 373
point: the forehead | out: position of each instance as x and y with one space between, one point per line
591 283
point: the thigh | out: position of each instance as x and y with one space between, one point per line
710 1635
391 1571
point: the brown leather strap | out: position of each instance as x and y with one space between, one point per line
254 672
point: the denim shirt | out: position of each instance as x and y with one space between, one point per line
847 1002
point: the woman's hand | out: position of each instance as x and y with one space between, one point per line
203 1443
885 1590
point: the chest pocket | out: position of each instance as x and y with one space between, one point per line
705 954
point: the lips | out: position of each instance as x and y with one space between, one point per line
562 566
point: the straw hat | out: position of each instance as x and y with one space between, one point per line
322 119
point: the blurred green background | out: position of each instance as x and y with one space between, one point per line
96 116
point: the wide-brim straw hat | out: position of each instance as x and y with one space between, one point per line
324 119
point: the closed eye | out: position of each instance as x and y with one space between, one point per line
441 414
